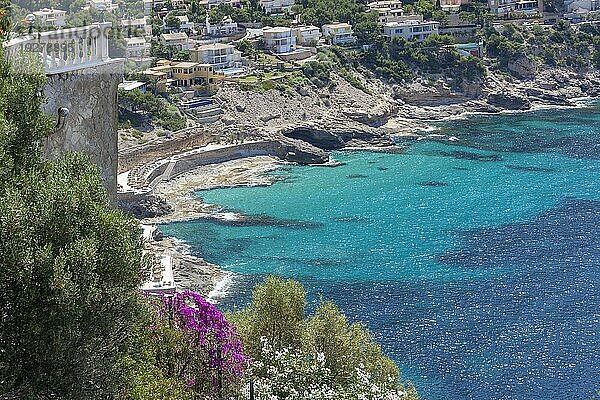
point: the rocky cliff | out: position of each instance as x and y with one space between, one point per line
343 115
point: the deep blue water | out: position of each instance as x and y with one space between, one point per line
475 263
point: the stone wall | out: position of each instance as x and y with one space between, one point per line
90 95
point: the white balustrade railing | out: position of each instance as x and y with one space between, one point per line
65 49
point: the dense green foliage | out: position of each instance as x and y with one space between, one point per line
70 263
73 323
559 45
164 114
278 336
397 60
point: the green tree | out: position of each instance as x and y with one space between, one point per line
172 22
346 346
319 12
275 313
322 356
70 265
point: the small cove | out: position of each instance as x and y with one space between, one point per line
475 263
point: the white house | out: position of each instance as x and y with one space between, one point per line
102 5
219 55
279 39
148 5
132 85
216 3
225 28
508 7
340 33
452 5
410 29
178 4
185 22
387 10
178 40
277 6
307 35
136 47
582 6
50 17
137 26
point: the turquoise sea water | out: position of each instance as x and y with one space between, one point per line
475 263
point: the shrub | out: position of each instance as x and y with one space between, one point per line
322 356
191 341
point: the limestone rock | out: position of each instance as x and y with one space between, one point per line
523 67
509 101
548 98
269 117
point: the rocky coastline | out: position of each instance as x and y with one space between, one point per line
312 122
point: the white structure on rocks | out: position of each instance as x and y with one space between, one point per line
410 29
81 92
279 39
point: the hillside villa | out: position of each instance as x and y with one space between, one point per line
102 5
307 35
136 47
182 74
411 29
219 55
452 5
279 39
505 8
387 10
185 22
224 28
582 6
136 26
339 33
178 40
277 6
215 3
50 17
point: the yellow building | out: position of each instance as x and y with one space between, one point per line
183 74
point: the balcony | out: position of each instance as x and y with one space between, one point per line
65 50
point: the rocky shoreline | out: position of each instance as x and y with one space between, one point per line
315 121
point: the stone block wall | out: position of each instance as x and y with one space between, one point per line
90 95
